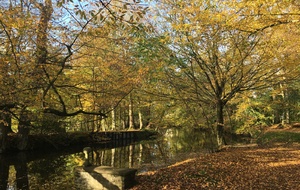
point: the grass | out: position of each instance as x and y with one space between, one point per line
278 137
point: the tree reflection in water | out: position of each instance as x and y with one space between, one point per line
20 166
56 172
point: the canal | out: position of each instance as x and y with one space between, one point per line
54 170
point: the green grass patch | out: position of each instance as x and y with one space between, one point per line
278 137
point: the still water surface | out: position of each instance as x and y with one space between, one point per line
55 171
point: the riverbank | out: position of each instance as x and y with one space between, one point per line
60 141
271 164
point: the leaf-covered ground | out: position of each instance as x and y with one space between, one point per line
262 168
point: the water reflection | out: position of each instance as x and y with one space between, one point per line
56 171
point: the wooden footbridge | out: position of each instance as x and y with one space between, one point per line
133 135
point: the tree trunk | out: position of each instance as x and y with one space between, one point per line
287 108
103 124
113 153
5 128
122 116
3 136
113 119
42 29
131 156
140 154
140 119
23 131
287 116
220 124
22 171
130 114
4 172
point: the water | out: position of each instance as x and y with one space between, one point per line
27 170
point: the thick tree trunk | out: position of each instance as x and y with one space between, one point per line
23 131
21 171
3 136
4 172
220 124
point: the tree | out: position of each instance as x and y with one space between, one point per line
40 41
220 49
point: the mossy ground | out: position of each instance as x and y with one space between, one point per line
283 135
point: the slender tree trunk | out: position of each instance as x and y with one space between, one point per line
131 155
140 157
130 114
287 110
113 153
113 119
102 157
5 128
287 116
140 119
103 124
122 117
42 30
148 117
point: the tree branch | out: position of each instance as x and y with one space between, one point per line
66 114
